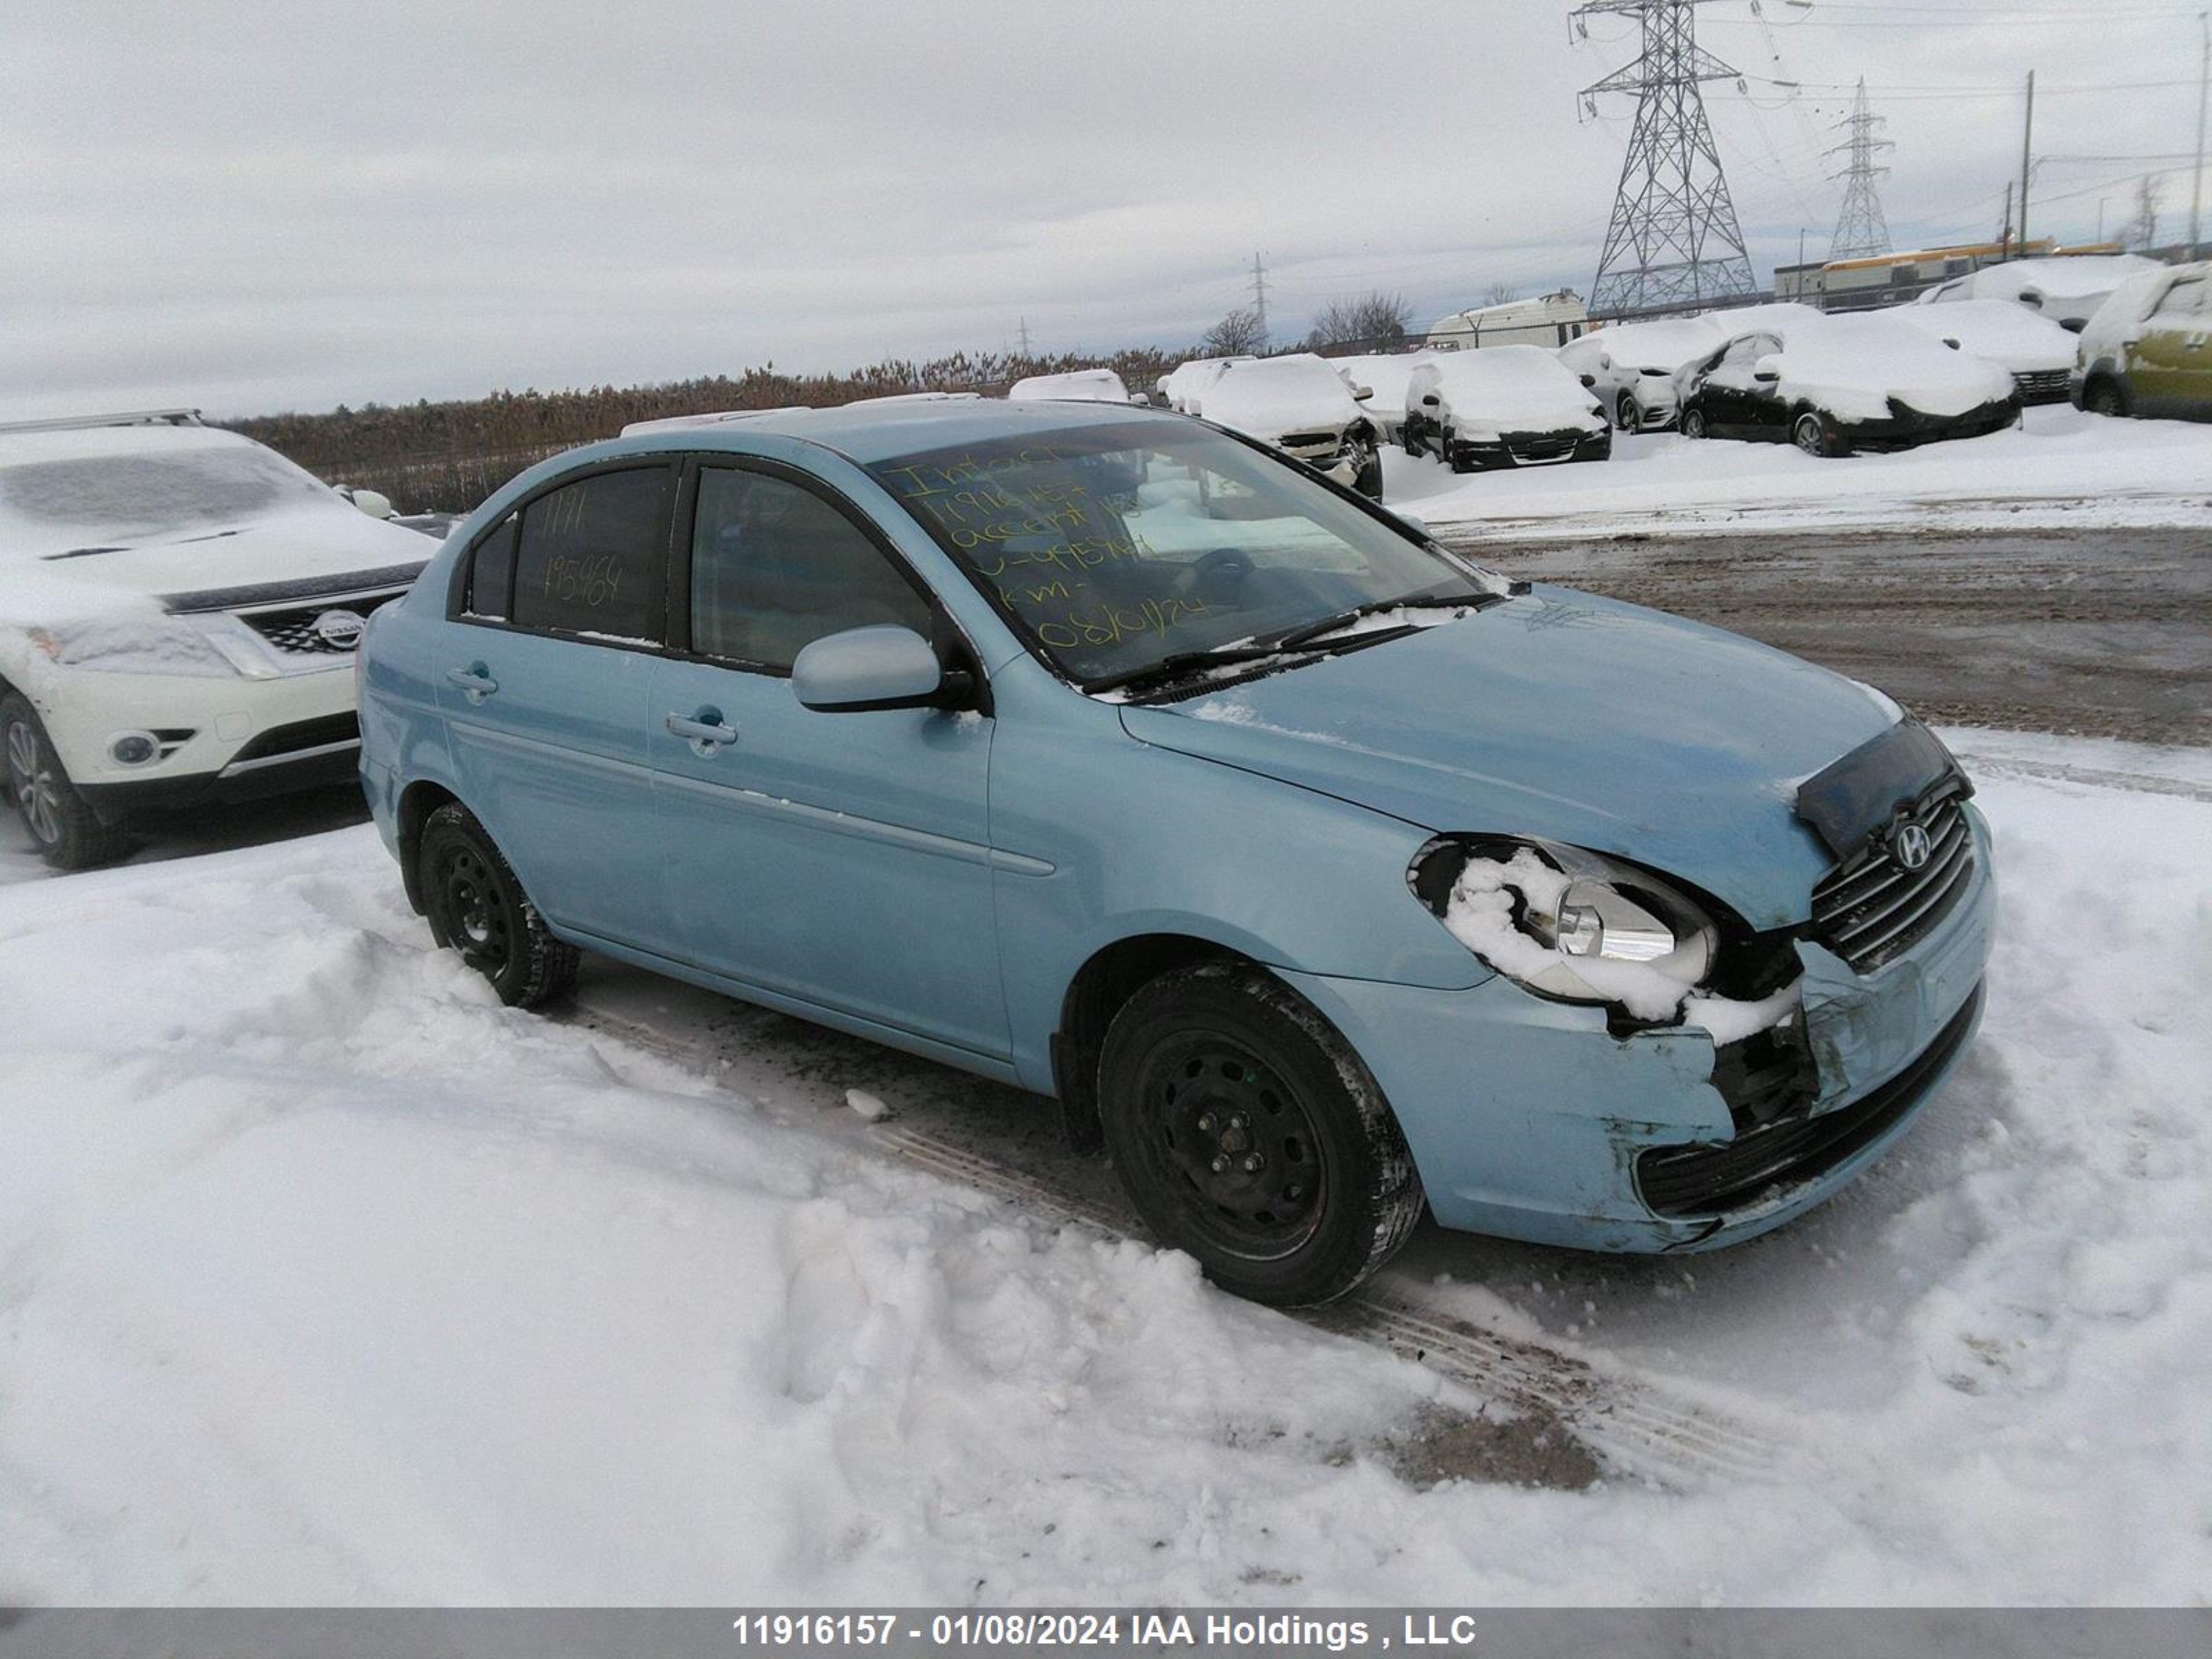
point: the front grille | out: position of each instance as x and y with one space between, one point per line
2042 384
300 735
1870 907
292 630
1701 1181
1544 446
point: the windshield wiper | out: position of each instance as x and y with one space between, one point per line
1183 663
1308 635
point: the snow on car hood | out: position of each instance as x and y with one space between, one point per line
1501 389
293 546
1665 345
1853 366
1562 715
1275 395
1385 377
2010 335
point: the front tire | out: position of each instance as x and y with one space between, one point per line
1626 415
476 906
2108 397
1247 1133
1693 422
68 833
1369 482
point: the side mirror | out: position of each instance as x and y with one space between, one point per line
1589 382
1362 393
864 669
1766 376
374 502
2075 325
1954 344
1429 400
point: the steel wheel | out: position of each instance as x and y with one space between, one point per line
475 910
1233 1144
31 782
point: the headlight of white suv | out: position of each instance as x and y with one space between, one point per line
215 643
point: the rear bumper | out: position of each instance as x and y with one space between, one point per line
1528 1119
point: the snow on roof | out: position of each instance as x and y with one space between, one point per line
1665 345
2076 277
1084 385
1267 397
1998 329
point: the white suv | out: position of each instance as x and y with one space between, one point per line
178 610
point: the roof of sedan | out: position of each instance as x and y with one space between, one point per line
876 431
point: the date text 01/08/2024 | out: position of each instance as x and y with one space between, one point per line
1057 1629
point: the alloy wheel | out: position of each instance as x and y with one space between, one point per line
31 782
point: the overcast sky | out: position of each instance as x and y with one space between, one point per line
259 206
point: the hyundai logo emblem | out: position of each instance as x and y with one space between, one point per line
1908 842
341 630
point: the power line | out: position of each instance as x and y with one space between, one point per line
1673 237
1861 231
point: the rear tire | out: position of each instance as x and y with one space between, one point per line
1811 433
1247 1133
476 906
67 832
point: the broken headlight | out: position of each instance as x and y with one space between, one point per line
1570 924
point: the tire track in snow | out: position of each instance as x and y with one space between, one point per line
1635 1428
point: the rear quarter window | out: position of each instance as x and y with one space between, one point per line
591 556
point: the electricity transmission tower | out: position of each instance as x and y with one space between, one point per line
1673 240
1861 230
1260 297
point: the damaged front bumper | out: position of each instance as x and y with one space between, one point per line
1527 1119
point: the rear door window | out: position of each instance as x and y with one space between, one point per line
591 556
491 572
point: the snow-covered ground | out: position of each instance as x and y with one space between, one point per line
2061 469
324 1279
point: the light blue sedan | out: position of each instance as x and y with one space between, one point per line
1318 874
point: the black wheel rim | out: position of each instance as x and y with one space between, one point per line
475 911
1231 1146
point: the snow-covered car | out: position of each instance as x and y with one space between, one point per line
179 611
1325 879
1384 378
2149 350
1297 404
1079 386
1180 387
1516 405
2066 288
2035 351
1830 385
1632 367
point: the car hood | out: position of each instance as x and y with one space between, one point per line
1561 715
284 548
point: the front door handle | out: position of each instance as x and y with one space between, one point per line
705 731
476 679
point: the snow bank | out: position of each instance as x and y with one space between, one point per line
331 1281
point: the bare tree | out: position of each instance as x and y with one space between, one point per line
2142 230
1501 294
1236 335
1375 322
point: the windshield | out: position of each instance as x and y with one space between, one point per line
1112 548
128 498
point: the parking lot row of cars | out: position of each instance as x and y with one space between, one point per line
1958 366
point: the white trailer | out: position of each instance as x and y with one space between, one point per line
1550 321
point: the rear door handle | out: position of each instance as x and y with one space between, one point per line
476 679
705 733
